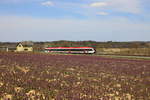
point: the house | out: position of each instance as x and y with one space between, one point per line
25 46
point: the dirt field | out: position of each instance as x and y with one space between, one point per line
72 77
124 51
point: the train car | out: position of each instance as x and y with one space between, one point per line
73 50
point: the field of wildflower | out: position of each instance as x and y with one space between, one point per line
26 76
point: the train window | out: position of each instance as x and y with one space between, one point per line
86 49
75 49
54 50
89 49
58 50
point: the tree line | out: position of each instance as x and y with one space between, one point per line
63 43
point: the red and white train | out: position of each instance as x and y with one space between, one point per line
80 50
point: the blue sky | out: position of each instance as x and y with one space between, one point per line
99 20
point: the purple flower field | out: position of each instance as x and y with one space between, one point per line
25 76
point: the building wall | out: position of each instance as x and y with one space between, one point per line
28 49
21 48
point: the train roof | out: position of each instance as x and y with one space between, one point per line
68 47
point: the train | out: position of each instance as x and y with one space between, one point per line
72 50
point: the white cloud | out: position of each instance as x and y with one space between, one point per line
127 6
102 13
37 29
47 3
123 6
98 4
